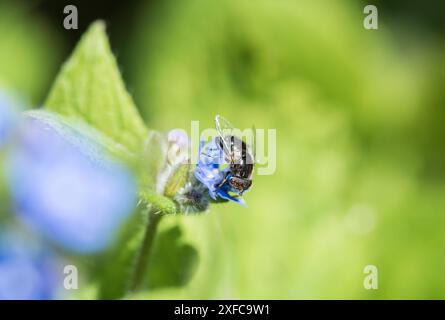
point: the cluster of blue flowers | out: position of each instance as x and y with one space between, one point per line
28 270
61 195
211 170
65 195
205 182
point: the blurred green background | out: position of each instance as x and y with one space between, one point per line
359 115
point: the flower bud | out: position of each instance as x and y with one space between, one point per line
177 180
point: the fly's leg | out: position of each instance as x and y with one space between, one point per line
219 185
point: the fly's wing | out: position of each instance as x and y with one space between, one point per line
225 129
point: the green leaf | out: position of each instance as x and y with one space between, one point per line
90 87
117 268
91 142
173 261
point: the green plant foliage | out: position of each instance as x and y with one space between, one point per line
116 269
173 261
90 87
92 142
155 154
359 123
160 203
89 103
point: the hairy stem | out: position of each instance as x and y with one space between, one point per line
142 262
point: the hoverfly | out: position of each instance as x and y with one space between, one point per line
237 155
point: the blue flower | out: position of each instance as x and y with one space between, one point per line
27 270
211 170
8 118
68 196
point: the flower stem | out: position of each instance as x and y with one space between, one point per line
142 261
